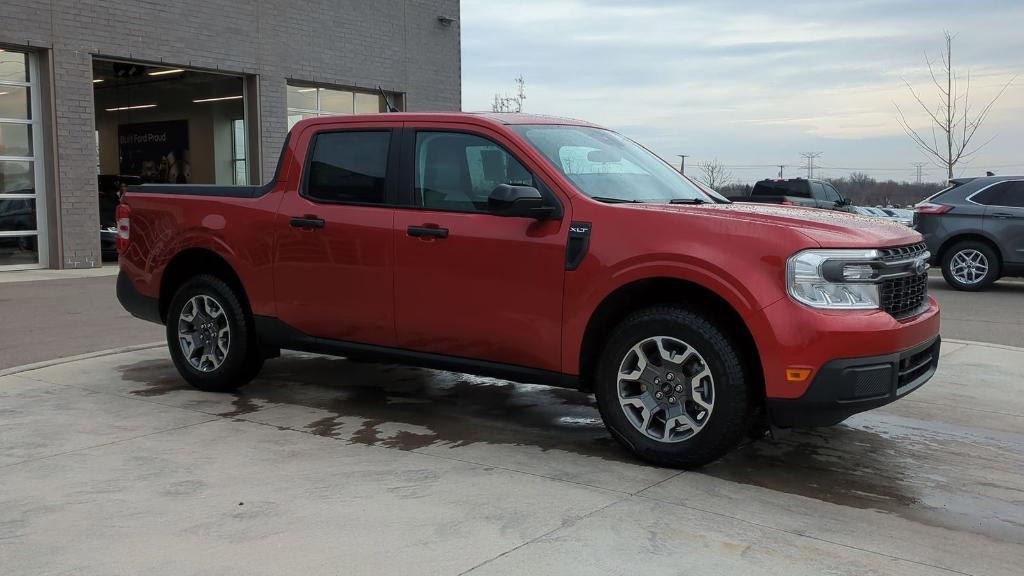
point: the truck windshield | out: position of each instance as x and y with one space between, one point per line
610 167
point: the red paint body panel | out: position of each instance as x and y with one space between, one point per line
492 290
237 229
496 288
336 282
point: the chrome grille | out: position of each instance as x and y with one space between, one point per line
902 252
904 296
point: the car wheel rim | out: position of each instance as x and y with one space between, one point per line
665 389
203 333
969 266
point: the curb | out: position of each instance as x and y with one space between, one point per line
86 356
983 344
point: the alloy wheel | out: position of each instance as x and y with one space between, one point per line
203 333
969 266
666 389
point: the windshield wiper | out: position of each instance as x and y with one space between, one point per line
687 201
608 200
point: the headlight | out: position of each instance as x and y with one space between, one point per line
834 279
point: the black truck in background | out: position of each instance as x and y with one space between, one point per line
797 192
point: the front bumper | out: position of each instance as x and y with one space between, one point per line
845 387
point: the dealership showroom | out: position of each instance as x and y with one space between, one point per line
95 96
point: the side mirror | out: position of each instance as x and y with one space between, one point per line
521 201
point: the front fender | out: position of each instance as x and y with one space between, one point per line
761 288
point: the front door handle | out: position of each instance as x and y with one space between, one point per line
1002 215
427 232
307 222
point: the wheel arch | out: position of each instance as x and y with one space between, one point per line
969 236
193 262
648 292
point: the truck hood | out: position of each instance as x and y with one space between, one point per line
829 228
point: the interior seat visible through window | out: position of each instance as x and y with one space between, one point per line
458 172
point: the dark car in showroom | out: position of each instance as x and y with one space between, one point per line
975 230
110 190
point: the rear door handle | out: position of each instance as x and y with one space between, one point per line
1002 215
427 232
307 222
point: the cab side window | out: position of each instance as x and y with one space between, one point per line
457 172
817 191
349 167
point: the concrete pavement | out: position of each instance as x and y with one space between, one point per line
111 465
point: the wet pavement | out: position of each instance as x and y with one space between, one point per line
113 465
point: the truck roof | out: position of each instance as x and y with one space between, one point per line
478 118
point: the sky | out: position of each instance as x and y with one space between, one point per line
754 83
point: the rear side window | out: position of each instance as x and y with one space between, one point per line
349 167
1002 194
772 188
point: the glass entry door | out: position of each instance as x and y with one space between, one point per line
22 205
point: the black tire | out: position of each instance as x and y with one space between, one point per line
732 414
243 360
991 275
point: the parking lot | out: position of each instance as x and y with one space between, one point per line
995 315
112 465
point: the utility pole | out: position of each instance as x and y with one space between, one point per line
682 162
918 165
781 167
809 157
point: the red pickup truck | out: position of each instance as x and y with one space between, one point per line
538 250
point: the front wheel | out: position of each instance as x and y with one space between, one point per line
210 336
671 388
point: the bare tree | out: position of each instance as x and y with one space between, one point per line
953 125
508 103
716 175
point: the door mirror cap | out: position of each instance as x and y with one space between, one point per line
521 201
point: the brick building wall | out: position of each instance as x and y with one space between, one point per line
397 44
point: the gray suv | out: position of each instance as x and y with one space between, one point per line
975 230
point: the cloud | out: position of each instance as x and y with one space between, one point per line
750 83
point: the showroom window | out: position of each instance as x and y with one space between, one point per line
238 151
310 101
22 205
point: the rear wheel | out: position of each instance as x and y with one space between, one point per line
210 336
671 388
970 266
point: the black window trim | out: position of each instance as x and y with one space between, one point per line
407 185
390 180
970 197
